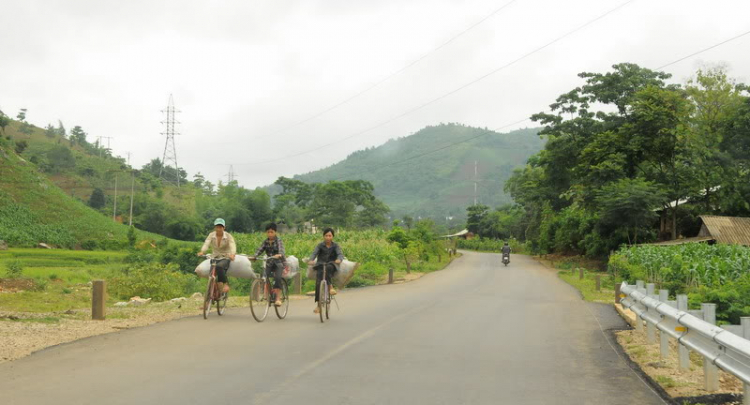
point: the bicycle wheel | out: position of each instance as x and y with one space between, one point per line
284 308
259 299
322 299
208 299
221 304
328 302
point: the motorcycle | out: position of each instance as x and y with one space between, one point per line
506 260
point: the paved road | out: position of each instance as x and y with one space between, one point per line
475 333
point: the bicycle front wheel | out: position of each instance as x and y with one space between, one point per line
208 299
259 299
322 300
284 308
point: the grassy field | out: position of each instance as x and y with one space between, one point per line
55 281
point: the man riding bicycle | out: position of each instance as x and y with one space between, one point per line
224 250
273 247
327 253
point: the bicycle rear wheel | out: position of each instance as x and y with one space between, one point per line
323 300
208 299
221 304
284 308
259 299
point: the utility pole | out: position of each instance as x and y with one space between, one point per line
114 211
475 182
170 150
132 193
129 158
99 142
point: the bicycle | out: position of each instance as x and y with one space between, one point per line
324 295
261 296
213 295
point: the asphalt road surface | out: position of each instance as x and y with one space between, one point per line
475 333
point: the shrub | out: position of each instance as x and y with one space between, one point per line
157 281
14 269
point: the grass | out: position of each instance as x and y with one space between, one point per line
587 285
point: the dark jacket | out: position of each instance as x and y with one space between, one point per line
327 254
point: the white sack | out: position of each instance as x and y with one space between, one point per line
240 267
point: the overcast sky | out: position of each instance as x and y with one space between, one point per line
243 73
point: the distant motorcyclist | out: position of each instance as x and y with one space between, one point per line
506 252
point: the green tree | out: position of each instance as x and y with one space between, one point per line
475 215
21 115
78 136
4 121
21 146
50 131
630 204
61 158
97 199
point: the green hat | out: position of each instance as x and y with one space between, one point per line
220 221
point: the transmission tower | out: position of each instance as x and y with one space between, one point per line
231 176
170 150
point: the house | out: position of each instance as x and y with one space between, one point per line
718 229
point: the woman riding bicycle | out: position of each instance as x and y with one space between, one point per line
274 249
327 253
224 249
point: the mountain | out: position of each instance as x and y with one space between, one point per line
33 210
431 172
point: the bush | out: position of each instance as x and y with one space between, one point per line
90 244
14 269
157 281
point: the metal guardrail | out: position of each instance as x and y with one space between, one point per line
727 347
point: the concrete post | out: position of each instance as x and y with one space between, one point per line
663 337
682 351
710 371
98 299
639 284
390 275
598 282
297 283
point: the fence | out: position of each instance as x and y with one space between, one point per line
726 347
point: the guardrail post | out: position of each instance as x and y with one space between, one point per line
617 293
711 372
745 323
651 328
98 298
682 352
663 337
639 286
598 282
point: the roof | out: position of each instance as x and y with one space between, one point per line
731 230
697 239
455 235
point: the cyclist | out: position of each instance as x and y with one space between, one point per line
224 250
506 251
273 247
329 252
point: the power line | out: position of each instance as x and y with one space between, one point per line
704 50
391 75
456 90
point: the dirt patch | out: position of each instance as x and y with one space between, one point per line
678 384
11 285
